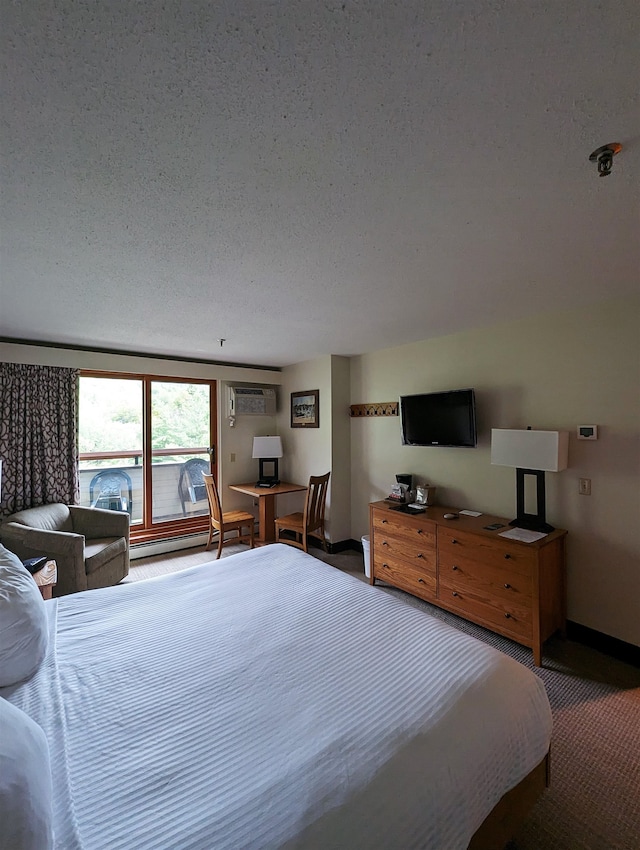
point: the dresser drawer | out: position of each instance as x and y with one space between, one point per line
403 527
489 551
484 582
413 552
396 571
508 618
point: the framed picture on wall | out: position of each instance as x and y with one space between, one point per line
305 409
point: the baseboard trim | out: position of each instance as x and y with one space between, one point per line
616 648
166 545
343 546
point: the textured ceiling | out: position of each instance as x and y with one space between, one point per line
309 178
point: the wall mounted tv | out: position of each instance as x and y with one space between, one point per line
439 419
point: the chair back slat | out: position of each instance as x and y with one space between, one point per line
214 497
315 501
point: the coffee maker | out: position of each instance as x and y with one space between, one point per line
402 490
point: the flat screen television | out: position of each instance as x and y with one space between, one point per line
439 419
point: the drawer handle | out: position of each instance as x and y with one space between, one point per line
421 580
385 521
454 567
419 531
507 556
507 585
419 555
385 543
453 540
386 566
454 592
508 615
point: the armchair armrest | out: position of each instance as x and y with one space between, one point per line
94 523
65 547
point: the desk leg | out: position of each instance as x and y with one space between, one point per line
267 511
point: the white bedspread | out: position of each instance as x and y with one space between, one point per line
268 700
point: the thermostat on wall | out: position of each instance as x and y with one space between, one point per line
587 432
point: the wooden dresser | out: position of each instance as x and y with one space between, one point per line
515 589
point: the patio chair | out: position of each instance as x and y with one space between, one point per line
191 484
113 490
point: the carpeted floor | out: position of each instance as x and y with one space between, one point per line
594 799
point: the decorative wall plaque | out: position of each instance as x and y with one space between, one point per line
383 408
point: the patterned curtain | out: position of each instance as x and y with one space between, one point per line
38 436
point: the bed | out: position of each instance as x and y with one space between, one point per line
266 700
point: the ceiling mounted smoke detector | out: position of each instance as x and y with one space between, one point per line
604 157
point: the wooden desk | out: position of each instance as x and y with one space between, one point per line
266 497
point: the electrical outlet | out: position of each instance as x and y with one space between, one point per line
584 486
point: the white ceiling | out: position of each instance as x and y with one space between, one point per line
309 178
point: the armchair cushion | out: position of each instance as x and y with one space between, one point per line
99 552
24 632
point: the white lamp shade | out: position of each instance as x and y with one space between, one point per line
267 447
542 450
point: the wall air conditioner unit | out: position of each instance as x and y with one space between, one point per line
252 401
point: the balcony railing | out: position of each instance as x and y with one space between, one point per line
167 504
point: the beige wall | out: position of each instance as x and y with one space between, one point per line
307 451
235 447
554 371
340 449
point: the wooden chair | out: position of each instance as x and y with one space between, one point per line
229 521
309 523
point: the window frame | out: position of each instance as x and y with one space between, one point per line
148 530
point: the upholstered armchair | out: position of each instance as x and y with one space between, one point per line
90 545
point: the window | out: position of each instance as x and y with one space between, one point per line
144 444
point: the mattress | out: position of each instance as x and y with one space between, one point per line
268 700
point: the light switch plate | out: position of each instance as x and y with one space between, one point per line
587 432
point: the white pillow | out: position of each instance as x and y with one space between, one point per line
26 812
24 635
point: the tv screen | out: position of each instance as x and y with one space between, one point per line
439 419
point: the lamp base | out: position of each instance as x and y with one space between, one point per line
537 521
532 523
268 472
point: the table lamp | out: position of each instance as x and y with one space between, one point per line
531 453
267 450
